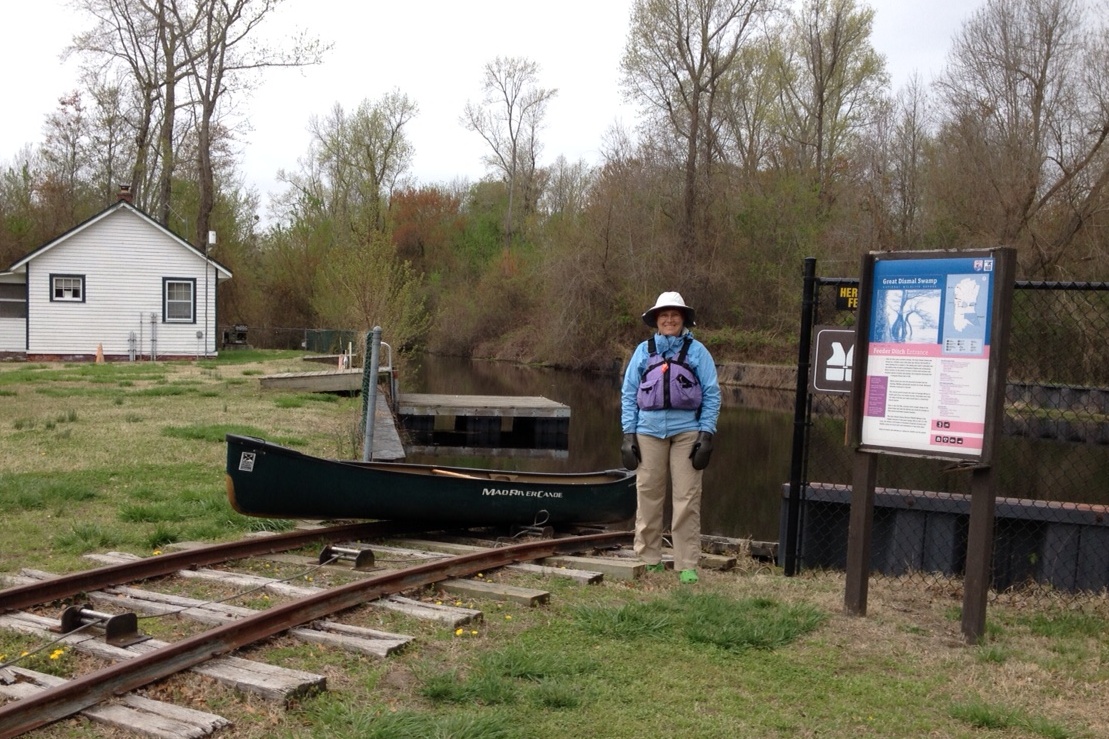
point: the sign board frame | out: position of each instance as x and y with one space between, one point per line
926 380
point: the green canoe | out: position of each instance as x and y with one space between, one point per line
273 481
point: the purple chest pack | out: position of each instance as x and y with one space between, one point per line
669 383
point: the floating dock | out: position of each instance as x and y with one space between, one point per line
521 426
328 381
529 425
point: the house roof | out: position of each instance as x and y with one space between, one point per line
21 264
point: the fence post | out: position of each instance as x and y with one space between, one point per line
369 392
800 416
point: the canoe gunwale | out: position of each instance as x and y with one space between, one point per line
292 484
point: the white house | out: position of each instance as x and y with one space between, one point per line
120 282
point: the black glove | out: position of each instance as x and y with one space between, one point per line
702 450
629 452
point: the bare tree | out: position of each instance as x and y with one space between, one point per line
1027 118
677 54
508 118
831 84
218 55
356 160
131 36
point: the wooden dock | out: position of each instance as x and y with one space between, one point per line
327 381
457 422
490 406
531 426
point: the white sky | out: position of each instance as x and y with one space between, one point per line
434 52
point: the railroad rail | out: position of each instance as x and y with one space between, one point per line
63 700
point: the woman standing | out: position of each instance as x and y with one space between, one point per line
669 404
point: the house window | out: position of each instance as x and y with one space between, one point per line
13 301
179 297
67 288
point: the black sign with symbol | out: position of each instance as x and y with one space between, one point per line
833 360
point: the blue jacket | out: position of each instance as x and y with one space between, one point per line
670 421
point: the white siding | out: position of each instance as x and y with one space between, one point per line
123 259
13 334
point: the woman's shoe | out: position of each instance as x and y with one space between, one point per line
688 577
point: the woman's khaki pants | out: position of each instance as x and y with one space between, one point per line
667 461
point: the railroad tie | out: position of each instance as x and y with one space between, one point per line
133 713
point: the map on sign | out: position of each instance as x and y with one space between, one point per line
965 314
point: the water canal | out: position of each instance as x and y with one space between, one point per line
742 485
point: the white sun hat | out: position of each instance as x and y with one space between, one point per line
669 300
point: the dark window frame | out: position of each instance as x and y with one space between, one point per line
53 288
166 282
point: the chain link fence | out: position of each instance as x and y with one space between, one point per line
318 340
1051 527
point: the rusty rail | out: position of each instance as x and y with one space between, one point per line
24 596
64 700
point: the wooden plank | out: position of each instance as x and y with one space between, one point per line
708 560
277 684
614 568
496 591
582 576
442 614
432 404
326 381
453 616
367 641
354 638
133 713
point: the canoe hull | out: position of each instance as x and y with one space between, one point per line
269 480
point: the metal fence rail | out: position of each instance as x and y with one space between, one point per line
1051 530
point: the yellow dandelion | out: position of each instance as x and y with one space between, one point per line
56 654
474 633
507 617
458 603
438 602
458 632
480 574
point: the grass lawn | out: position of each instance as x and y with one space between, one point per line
130 457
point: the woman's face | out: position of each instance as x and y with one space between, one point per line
669 321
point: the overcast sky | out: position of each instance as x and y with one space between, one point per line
433 51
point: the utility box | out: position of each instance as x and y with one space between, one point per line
235 337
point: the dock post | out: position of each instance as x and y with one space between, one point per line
369 392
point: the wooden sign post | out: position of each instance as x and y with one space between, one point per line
928 380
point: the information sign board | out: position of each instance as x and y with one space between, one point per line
928 329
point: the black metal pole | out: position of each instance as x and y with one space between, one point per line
800 417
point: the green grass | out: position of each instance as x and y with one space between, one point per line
131 458
217 433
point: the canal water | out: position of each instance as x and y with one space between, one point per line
742 484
